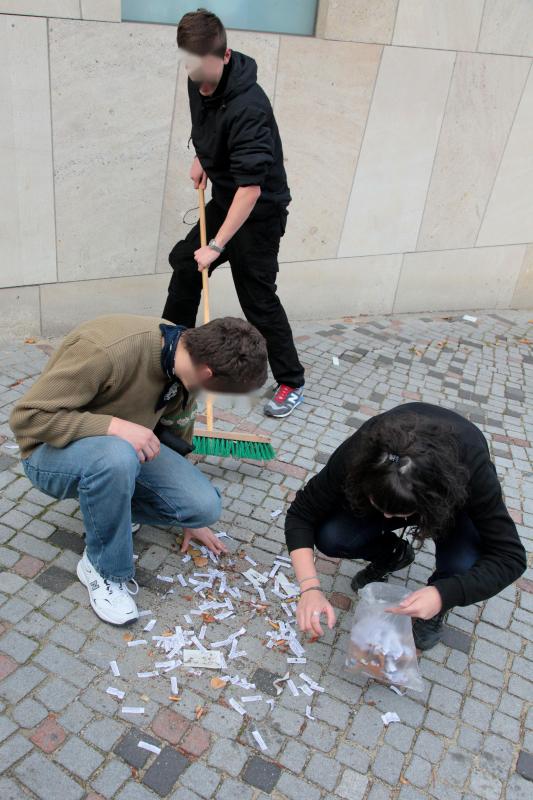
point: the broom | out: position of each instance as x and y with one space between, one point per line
209 442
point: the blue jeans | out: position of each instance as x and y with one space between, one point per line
373 539
114 489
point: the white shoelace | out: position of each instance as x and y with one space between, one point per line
121 585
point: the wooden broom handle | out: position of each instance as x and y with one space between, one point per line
205 293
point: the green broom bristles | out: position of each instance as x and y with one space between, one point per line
215 446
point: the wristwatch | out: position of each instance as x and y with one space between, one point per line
214 246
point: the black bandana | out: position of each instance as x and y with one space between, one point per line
171 335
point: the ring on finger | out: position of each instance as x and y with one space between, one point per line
316 613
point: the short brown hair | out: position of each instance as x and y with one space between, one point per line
233 349
201 32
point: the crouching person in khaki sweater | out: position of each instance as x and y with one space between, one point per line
86 430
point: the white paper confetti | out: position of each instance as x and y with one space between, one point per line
292 687
468 318
335 360
145 613
165 578
174 685
396 690
308 713
137 642
251 698
153 748
203 659
152 674
237 707
114 669
390 716
150 625
276 513
115 692
181 579
260 741
132 710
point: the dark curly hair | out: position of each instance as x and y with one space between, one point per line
407 463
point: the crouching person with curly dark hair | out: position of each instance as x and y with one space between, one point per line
417 468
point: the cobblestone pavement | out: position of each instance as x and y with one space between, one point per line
469 734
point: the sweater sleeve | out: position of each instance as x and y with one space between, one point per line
52 411
502 559
251 147
322 497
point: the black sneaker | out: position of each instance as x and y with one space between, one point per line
428 632
402 556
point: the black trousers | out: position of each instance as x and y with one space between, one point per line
373 539
253 257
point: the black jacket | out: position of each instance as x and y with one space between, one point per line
236 138
503 556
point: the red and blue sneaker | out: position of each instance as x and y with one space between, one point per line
285 400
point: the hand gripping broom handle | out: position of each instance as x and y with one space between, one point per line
205 292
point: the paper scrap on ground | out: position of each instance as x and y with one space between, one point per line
396 690
390 716
137 642
335 360
115 692
114 669
259 739
203 659
277 683
153 748
237 707
276 513
308 713
150 625
132 710
468 318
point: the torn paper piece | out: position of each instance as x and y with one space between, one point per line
260 741
153 748
115 692
150 625
181 579
237 707
137 642
271 702
152 674
251 698
250 561
313 684
203 659
396 690
132 710
174 685
145 613
468 318
308 713
277 683
291 660
292 687
186 559
187 618
255 577
335 360
114 669
165 578
276 513
287 610
390 716
203 631
306 689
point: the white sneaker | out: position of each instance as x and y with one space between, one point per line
111 601
135 527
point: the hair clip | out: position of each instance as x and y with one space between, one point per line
394 457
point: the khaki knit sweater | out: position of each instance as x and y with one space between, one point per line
108 367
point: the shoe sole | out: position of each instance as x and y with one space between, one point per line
81 578
281 416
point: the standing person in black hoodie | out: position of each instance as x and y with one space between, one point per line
421 467
238 148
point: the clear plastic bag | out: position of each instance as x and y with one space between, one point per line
381 643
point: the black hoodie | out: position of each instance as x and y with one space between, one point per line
236 138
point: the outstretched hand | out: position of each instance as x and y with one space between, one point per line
206 537
424 603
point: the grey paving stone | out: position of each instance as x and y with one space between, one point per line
20 683
165 771
39 774
485 786
103 733
67 540
262 774
28 713
263 680
323 770
56 694
17 646
418 772
9 790
55 579
6 728
232 789
456 639
228 756
388 764
352 785
75 717
295 788
111 778
78 757
294 756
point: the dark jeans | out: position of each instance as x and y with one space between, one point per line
373 539
253 257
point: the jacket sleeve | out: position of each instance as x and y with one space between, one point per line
52 410
321 498
251 147
502 559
